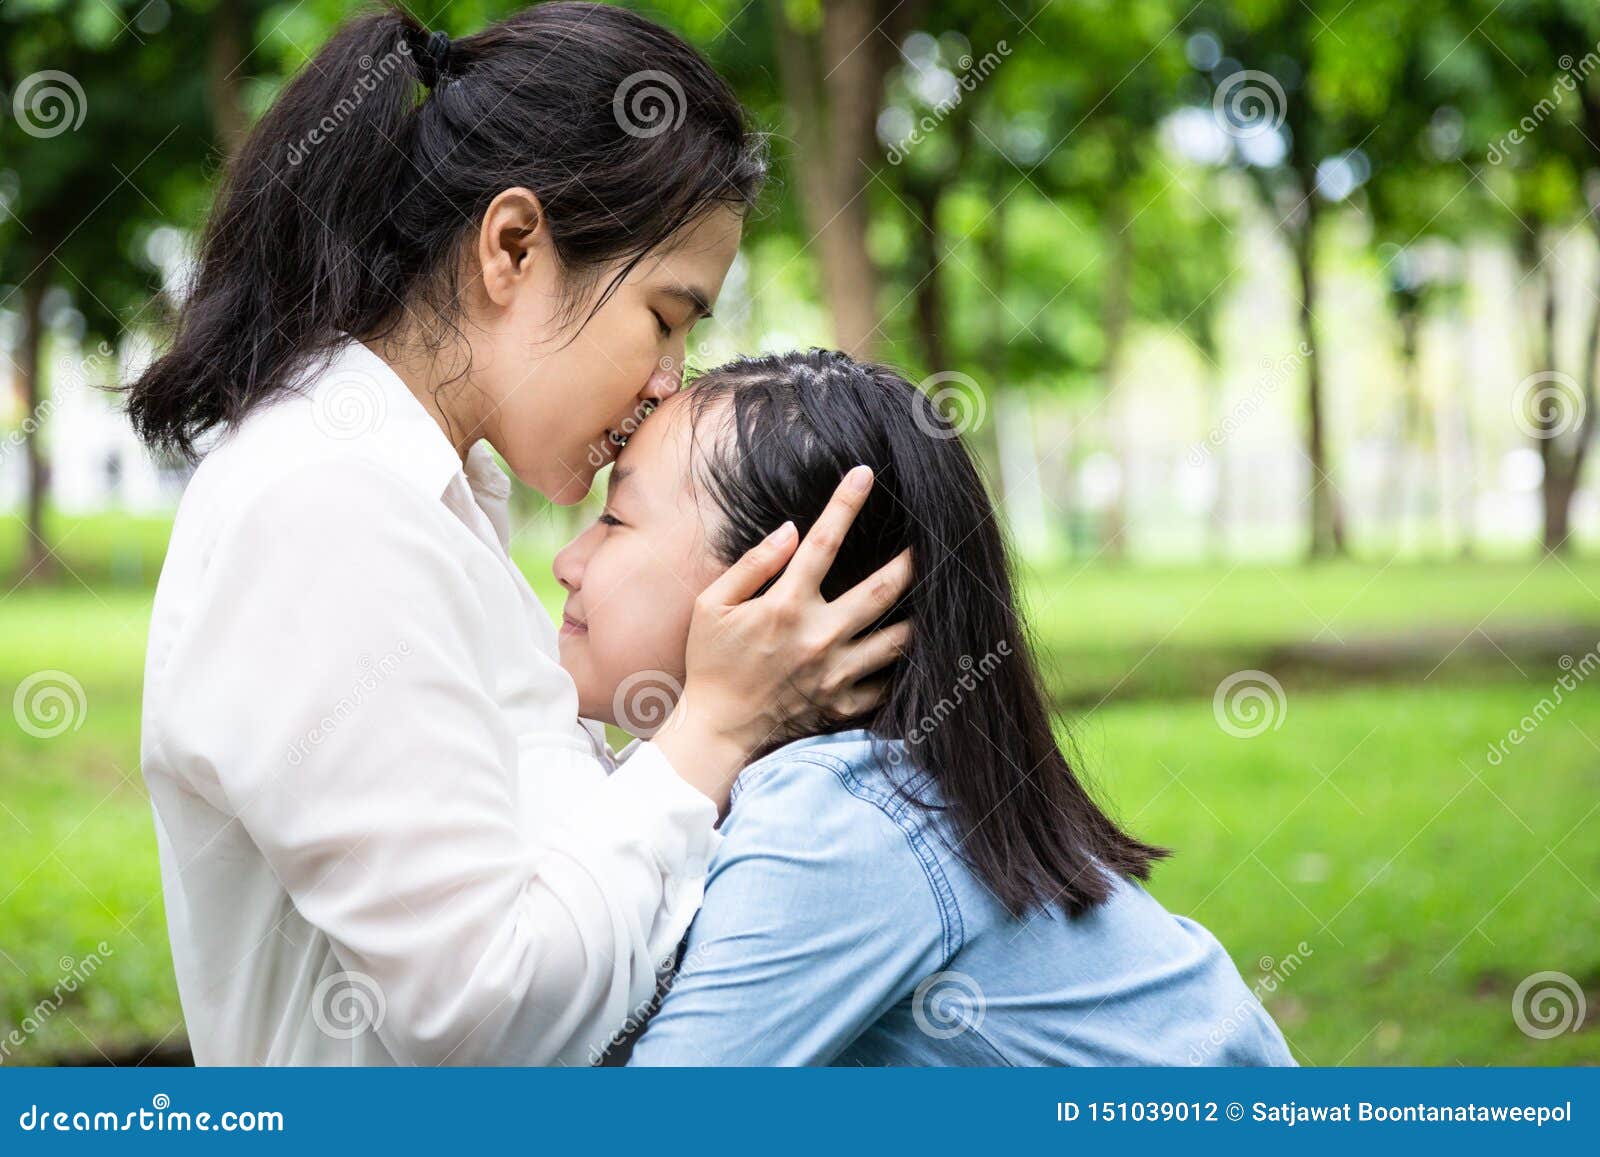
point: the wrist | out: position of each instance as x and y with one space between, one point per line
704 756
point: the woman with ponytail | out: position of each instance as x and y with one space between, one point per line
385 835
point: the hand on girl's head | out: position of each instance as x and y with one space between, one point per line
650 601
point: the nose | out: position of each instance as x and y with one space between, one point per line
665 381
570 560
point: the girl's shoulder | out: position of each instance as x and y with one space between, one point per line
848 764
853 802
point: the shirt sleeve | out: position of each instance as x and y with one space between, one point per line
333 686
818 918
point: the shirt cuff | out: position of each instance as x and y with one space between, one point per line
678 820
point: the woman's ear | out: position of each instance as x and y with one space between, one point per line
511 242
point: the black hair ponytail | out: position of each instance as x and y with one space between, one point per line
346 206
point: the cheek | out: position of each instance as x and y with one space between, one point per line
623 347
550 405
550 432
638 616
646 634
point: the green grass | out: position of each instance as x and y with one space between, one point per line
1177 631
77 851
1425 881
1255 603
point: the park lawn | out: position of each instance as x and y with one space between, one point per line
77 850
1115 632
1425 881
1254 603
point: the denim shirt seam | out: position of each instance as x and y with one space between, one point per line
952 928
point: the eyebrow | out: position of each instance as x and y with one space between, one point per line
619 475
690 296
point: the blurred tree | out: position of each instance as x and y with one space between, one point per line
84 168
1538 168
1298 85
1118 67
833 56
1189 247
1420 220
1019 141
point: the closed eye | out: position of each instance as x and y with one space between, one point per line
608 519
661 324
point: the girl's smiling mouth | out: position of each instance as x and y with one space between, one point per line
572 626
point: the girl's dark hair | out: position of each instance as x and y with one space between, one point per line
347 206
966 700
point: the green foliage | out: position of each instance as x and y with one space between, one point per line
80 201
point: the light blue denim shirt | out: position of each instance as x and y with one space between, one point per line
839 928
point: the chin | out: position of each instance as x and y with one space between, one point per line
569 495
560 486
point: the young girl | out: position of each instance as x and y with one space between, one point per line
384 835
921 882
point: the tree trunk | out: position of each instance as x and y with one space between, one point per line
835 129
1015 437
990 441
1396 499
1217 517
1553 502
924 194
37 562
1563 468
1327 523
224 82
1115 308
1465 488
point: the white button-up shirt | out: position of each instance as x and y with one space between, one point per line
385 836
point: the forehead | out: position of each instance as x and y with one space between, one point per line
656 464
707 244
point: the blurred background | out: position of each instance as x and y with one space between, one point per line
1275 323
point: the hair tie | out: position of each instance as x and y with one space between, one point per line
433 59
